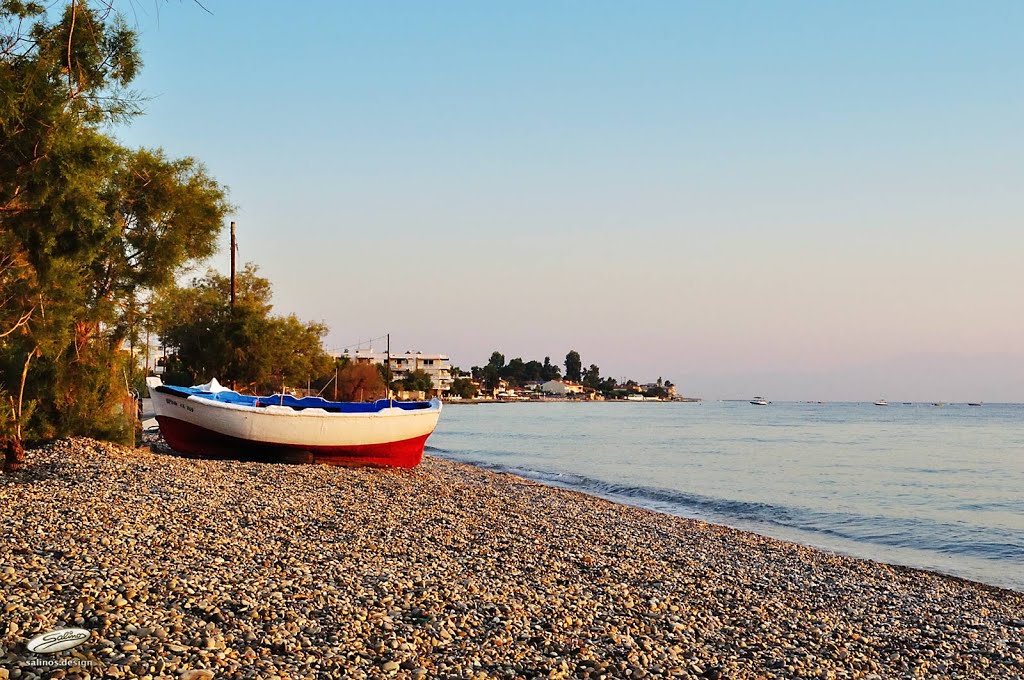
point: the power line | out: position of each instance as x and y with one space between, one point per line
357 343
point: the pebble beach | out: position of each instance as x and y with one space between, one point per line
187 569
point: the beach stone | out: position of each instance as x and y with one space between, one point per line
196 675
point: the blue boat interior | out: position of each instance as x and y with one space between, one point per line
230 397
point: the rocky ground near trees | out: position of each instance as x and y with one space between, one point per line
192 569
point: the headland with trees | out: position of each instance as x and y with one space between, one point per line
518 374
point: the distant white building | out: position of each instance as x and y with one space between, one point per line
670 389
437 366
561 387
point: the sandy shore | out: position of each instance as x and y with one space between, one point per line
250 570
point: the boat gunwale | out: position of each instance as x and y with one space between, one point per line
271 409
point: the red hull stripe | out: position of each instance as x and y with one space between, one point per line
192 439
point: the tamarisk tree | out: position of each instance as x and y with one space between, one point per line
87 227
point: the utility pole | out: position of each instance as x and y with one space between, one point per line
233 248
233 265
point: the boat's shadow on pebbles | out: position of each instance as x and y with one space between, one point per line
156 444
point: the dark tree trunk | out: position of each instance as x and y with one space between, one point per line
14 454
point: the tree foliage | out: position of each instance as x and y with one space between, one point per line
87 227
245 345
573 366
418 381
17 286
164 212
360 382
491 374
514 372
464 388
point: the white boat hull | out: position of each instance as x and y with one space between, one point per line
390 436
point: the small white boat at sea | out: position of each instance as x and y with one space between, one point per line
881 402
759 401
212 421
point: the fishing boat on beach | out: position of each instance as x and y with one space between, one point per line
213 421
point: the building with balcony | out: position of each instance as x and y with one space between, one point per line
437 366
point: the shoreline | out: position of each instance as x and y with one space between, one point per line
802 538
559 400
447 570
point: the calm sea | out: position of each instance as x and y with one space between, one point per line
939 488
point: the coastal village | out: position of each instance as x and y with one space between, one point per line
454 385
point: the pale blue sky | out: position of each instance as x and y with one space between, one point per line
799 199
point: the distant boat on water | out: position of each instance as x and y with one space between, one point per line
938 403
759 401
881 402
975 403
